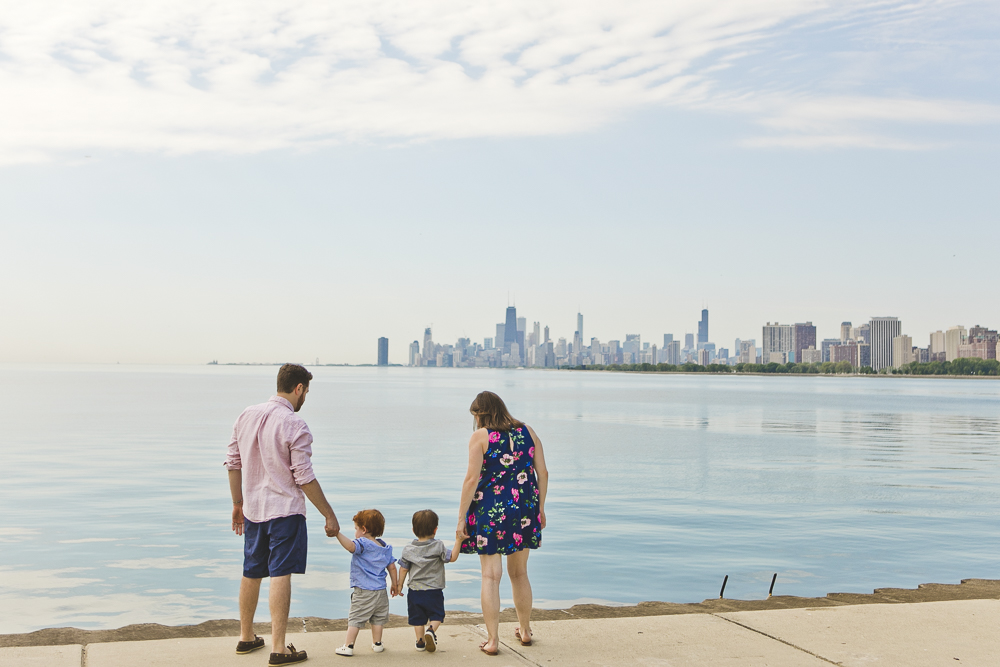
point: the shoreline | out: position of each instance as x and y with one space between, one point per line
968 589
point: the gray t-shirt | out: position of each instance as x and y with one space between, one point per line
425 561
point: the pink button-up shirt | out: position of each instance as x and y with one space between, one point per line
272 445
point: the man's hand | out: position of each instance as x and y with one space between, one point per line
238 519
332 526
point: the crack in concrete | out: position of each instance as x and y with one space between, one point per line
778 639
482 632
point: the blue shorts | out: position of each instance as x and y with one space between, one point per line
274 548
425 606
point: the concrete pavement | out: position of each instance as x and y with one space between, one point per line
960 632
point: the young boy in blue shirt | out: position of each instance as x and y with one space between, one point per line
423 560
369 600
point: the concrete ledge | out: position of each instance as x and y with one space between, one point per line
42 656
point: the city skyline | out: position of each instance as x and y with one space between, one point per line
340 173
878 344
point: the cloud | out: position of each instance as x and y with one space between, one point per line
242 77
106 611
17 534
38 580
166 563
86 540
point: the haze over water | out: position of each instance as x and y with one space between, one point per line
114 507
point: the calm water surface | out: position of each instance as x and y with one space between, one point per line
114 505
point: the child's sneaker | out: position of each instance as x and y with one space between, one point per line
430 640
377 647
347 650
421 646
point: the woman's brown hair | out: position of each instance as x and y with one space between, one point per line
491 413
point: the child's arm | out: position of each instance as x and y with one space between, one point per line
455 551
346 543
398 588
393 577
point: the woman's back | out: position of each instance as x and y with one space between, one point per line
504 515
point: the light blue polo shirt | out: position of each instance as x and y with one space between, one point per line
368 564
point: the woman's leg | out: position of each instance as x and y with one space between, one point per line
492 574
517 569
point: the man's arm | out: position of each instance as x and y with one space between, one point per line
236 491
314 492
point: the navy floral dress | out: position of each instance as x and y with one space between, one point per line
503 517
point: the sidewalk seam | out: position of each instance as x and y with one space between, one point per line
83 656
481 631
777 639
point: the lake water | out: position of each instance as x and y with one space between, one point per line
114 505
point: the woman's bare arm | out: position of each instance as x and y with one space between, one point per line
543 475
478 443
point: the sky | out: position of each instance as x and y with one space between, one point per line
286 181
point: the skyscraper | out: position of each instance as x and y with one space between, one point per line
703 326
845 331
778 339
579 324
953 339
805 337
415 353
546 335
882 330
383 351
510 329
429 352
688 341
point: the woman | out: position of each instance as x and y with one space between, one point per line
502 511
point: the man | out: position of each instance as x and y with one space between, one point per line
274 446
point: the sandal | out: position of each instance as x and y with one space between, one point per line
517 633
243 648
482 647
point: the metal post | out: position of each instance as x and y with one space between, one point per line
724 581
771 589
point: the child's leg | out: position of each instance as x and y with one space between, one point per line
435 625
352 634
419 631
376 634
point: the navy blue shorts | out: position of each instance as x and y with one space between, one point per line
425 606
274 548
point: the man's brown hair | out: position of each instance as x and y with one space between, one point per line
425 522
291 376
371 520
491 413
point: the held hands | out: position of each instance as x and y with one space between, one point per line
238 519
461 534
332 526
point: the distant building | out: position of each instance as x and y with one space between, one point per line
953 339
631 348
804 337
846 351
415 353
902 351
748 352
777 358
937 349
703 326
864 354
547 339
864 332
980 343
688 341
672 352
811 355
579 324
510 329
430 353
845 332
883 331
501 333
704 357
487 343
667 339
778 338
826 345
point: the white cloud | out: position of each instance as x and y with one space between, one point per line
184 77
86 540
17 534
105 611
166 563
37 580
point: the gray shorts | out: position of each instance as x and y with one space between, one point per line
368 607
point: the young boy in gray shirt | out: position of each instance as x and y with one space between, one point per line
423 560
